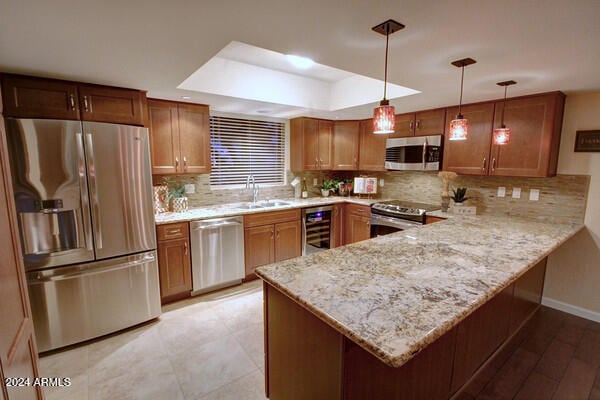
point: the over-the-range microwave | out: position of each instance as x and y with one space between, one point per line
415 153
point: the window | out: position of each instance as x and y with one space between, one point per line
242 147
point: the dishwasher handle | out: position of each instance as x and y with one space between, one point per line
215 223
215 226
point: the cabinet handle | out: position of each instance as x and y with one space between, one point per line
173 231
277 234
418 124
494 164
176 163
72 101
86 105
317 162
184 163
483 164
185 248
272 234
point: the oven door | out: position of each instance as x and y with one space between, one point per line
383 225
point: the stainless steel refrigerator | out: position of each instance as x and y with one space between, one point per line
83 194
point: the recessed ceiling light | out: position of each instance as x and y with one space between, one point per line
300 62
186 97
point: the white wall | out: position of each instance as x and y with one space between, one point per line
573 275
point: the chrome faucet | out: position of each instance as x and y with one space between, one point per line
255 187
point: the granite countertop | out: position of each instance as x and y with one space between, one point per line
230 209
395 294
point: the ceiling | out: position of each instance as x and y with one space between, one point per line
156 45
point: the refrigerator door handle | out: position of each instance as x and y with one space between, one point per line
93 189
85 200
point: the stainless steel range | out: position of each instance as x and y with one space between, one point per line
396 215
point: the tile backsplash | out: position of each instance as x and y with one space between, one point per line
562 198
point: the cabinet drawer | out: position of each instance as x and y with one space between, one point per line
272 217
358 209
172 231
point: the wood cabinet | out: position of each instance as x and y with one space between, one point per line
174 261
471 156
357 223
338 225
535 123
179 137
371 148
31 97
270 237
420 123
346 138
312 143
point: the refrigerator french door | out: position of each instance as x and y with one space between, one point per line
83 195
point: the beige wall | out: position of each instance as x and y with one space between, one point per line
573 275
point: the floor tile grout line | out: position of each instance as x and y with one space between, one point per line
229 383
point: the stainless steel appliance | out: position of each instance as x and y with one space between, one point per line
217 253
414 153
395 215
83 193
317 229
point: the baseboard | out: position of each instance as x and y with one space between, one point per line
571 309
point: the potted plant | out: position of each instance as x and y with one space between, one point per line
459 195
179 202
328 186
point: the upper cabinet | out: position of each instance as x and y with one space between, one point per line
311 143
31 97
471 156
179 137
535 124
421 123
346 138
372 148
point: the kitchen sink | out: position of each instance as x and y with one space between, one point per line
249 206
273 203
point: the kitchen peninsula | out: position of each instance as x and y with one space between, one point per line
409 315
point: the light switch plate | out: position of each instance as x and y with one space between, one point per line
516 193
381 183
501 191
534 194
315 181
189 188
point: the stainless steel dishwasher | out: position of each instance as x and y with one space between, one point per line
217 253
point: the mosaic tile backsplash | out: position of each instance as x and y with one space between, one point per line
562 198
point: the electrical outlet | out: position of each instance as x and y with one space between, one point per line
381 183
534 194
501 191
516 193
315 181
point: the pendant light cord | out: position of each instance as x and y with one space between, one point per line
462 78
387 41
503 107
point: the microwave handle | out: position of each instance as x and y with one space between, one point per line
424 153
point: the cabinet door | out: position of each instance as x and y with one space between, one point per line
107 104
372 148
26 97
259 248
194 138
310 144
288 240
325 145
174 269
405 125
430 122
535 124
164 137
470 156
338 225
346 135
357 223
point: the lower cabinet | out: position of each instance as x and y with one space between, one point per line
357 223
174 262
270 237
338 225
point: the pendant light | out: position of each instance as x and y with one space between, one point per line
459 126
384 118
502 135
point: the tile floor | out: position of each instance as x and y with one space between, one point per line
211 347
204 348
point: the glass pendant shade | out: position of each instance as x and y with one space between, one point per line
501 135
458 128
384 119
